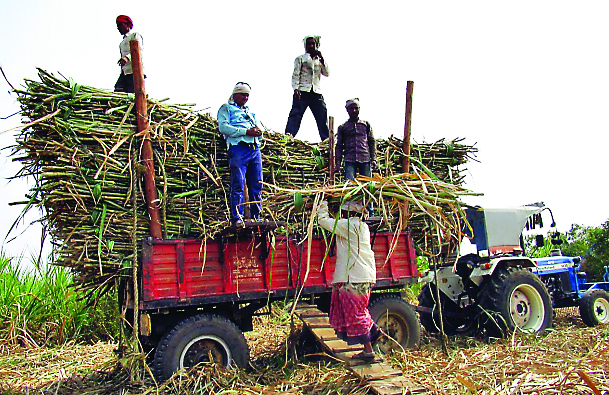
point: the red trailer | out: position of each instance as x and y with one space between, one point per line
197 297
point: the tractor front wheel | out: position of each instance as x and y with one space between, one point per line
594 307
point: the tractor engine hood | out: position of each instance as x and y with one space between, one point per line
499 227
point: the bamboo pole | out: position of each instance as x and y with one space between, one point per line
407 122
406 142
332 165
141 105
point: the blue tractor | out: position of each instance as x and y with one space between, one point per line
568 287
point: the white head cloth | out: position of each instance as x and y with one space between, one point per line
355 101
355 206
240 87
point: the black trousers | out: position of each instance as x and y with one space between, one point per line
314 101
124 83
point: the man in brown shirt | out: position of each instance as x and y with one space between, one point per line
355 144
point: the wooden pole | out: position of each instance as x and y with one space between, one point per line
141 106
407 122
406 143
332 165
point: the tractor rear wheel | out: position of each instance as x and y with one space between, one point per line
398 320
515 298
200 338
431 321
594 307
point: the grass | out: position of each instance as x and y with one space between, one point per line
569 359
40 307
50 344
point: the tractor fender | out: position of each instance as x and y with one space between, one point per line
487 269
449 283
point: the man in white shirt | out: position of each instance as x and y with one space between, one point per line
354 277
124 24
308 69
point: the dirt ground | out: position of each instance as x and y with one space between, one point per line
570 359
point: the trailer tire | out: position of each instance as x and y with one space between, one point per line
195 340
398 319
520 300
431 321
594 307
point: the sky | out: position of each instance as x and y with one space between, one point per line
525 81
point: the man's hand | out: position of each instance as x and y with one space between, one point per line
297 94
373 166
123 61
254 132
320 56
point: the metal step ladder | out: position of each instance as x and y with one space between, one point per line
378 375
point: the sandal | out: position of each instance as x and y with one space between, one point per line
377 335
364 356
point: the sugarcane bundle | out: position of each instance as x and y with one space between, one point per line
396 197
82 147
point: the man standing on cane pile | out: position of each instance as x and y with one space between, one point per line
356 144
354 277
124 24
308 69
243 137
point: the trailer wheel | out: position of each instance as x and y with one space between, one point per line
398 319
201 338
431 321
520 300
594 307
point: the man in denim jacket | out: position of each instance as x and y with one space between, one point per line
243 137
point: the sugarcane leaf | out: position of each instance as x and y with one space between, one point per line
95 216
21 215
97 192
74 88
298 202
100 233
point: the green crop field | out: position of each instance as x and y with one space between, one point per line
40 307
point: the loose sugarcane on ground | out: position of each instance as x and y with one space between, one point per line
82 147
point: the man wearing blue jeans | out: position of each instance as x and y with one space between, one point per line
356 145
243 137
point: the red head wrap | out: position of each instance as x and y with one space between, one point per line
125 19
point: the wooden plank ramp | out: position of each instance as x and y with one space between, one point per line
381 378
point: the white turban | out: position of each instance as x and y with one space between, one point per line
355 206
240 87
355 101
